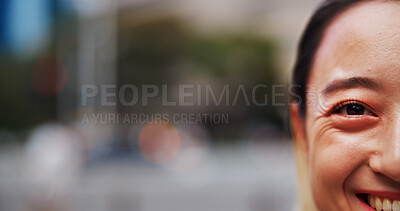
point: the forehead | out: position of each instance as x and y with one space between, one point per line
364 40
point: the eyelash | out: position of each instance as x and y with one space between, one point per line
342 104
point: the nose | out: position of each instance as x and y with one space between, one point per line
386 160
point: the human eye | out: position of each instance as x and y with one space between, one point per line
352 108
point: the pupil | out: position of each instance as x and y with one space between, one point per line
355 109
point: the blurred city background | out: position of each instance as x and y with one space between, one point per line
72 72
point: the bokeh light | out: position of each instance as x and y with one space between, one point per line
49 76
159 142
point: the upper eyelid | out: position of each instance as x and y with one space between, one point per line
345 103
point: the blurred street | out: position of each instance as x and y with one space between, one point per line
249 177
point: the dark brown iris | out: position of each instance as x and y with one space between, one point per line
355 109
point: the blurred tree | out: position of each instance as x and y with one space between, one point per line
165 50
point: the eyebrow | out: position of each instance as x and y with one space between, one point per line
348 83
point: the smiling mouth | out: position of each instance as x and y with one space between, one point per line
380 203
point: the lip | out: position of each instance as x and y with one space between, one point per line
365 205
382 194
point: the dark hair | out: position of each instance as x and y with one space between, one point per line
310 42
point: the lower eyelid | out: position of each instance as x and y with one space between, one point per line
358 120
355 123
355 117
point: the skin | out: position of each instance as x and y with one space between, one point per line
349 153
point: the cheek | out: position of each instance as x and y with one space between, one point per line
333 158
333 163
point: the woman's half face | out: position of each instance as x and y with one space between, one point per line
352 125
